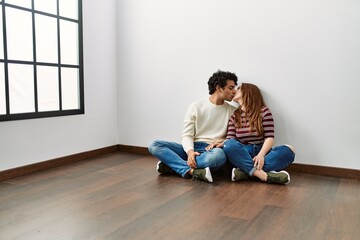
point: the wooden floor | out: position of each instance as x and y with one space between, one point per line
120 196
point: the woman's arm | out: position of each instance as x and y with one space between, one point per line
259 159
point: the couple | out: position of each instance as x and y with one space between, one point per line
215 131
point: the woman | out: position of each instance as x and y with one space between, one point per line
250 139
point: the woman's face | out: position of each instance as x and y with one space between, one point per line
238 96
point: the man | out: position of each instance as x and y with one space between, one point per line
205 127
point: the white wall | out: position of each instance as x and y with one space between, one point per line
30 141
303 54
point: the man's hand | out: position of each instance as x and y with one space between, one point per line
191 161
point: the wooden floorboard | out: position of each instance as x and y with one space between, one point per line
120 196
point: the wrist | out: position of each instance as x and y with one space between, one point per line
190 152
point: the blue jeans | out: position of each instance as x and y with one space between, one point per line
174 156
241 156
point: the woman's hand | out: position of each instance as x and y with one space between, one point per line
215 145
259 161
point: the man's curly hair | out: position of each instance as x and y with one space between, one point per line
220 78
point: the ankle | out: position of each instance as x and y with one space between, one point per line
261 175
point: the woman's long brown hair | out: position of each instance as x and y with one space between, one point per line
253 102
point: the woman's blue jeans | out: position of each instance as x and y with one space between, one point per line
174 156
241 156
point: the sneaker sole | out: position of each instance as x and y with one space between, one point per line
208 175
233 175
157 166
287 175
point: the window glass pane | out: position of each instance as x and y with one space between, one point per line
2 90
48 88
48 6
21 84
21 3
19 34
68 8
1 37
41 35
46 39
69 42
70 88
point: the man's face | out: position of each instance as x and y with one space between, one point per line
228 92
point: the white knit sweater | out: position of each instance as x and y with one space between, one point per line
205 122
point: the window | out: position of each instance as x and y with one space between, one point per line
41 62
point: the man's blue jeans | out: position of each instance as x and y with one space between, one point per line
241 155
174 156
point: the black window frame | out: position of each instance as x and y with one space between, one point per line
80 66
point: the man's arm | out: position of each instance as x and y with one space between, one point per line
187 140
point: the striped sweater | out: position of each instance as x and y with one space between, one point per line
244 135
